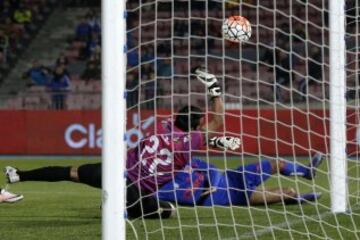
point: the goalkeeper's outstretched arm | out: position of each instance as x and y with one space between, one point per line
216 122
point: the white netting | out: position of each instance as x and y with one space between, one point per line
276 92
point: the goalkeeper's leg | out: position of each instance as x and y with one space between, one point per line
253 175
90 174
140 204
290 168
271 195
285 195
256 174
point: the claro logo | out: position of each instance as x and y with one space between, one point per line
80 136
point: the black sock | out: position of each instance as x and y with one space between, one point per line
48 174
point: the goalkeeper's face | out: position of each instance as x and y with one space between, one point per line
196 122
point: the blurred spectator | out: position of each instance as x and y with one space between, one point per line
314 66
133 58
149 94
282 71
37 11
180 28
4 46
58 87
147 54
353 90
94 21
94 43
299 33
283 35
147 71
132 89
132 55
80 3
96 56
164 67
22 15
92 71
15 31
83 30
164 49
280 60
7 11
62 60
351 13
2 58
39 74
92 46
268 54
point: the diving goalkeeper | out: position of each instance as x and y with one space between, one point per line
153 162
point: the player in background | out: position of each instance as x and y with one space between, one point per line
205 185
8 197
153 162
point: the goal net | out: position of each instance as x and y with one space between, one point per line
276 91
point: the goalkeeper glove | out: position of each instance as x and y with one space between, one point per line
225 142
214 90
209 80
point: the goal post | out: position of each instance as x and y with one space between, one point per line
113 119
337 85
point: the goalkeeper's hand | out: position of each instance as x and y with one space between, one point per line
225 142
206 78
214 90
209 80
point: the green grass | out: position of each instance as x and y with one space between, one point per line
56 211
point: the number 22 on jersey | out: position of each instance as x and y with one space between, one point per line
151 155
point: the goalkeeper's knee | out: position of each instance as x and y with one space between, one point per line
90 174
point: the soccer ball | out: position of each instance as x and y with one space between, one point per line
236 29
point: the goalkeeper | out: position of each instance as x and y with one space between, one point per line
204 184
152 163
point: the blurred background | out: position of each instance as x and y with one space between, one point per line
50 53
50 59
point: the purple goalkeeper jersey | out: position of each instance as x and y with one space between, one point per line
154 161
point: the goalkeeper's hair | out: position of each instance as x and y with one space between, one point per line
182 118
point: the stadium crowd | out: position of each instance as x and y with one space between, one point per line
19 23
282 65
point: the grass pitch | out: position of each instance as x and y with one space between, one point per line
57 211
